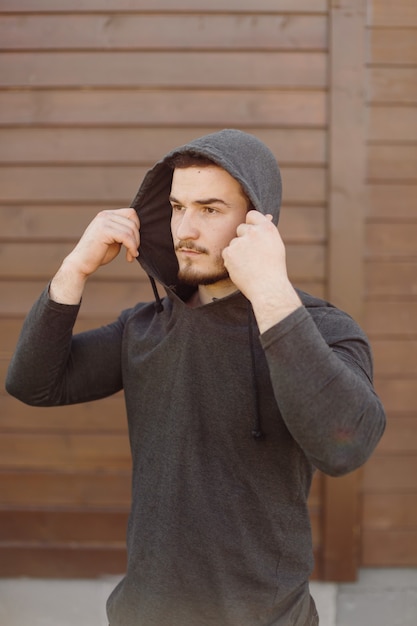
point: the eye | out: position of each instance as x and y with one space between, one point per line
210 210
176 208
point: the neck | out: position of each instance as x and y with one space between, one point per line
208 293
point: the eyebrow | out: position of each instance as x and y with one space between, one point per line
202 202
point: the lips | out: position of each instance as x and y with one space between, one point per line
189 251
189 248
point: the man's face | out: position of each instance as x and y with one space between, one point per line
208 204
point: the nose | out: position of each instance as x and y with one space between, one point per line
184 225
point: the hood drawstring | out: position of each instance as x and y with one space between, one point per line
257 432
159 307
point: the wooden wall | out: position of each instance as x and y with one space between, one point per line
92 93
389 497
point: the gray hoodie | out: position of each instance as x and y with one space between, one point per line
226 427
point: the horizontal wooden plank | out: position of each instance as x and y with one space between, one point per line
390 473
142 146
402 13
59 184
398 395
120 6
103 416
67 223
392 123
401 433
118 184
392 162
303 224
95 107
164 69
57 452
389 548
306 262
65 489
61 561
391 319
389 511
395 357
392 240
392 202
92 528
390 278
391 46
387 85
162 31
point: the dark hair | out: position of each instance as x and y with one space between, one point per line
188 159
182 160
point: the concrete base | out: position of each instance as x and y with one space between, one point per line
381 597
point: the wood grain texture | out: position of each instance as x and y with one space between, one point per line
179 70
164 31
153 107
135 6
392 86
387 14
391 278
392 162
92 94
391 46
58 561
40 488
392 203
389 548
394 511
64 452
389 499
395 357
390 473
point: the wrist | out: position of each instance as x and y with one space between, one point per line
272 307
67 286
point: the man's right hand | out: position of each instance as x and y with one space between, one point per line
99 245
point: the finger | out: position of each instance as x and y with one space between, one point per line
126 217
243 229
130 213
254 217
121 227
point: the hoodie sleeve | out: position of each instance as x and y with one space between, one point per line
322 379
52 367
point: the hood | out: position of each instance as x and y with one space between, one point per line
244 156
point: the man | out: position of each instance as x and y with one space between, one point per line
237 387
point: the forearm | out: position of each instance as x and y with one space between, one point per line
42 351
51 367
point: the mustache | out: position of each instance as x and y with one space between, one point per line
190 245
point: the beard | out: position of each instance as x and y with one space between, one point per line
193 276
